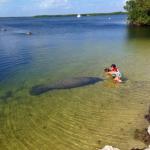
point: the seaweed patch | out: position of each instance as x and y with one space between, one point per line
147 116
142 135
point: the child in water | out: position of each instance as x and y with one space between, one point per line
114 72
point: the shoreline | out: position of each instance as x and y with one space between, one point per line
69 15
142 135
83 15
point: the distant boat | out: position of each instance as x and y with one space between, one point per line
78 16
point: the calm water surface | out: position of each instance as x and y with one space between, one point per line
84 118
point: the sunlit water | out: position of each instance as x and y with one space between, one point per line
84 118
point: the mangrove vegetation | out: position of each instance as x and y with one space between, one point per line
138 12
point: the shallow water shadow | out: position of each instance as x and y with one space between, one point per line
138 32
65 84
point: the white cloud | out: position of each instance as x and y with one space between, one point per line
3 1
124 1
52 3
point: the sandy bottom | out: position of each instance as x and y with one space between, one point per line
83 118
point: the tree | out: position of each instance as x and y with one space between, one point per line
138 12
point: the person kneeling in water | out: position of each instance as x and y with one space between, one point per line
114 72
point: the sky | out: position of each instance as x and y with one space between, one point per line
52 7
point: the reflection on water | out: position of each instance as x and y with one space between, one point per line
84 118
138 32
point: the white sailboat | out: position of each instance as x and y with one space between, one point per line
78 16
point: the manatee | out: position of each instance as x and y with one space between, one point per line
65 84
3 29
7 95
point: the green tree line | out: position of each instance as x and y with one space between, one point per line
138 12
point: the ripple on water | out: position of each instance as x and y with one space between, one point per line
83 118
78 119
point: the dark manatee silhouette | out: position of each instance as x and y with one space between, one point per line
65 84
8 94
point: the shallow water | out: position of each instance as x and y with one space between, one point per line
84 118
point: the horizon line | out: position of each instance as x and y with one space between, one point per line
65 14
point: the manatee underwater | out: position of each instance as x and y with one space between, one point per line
65 84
